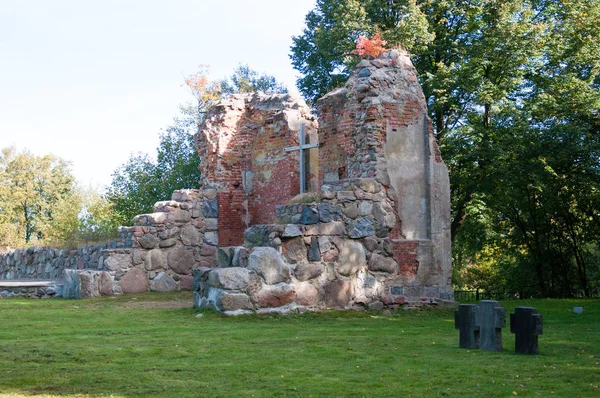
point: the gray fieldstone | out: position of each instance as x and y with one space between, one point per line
306 294
134 281
257 235
275 295
338 293
86 281
163 244
186 282
190 236
365 208
155 259
182 216
330 228
211 224
351 210
324 244
351 258
180 260
361 228
294 250
291 231
314 254
163 283
309 216
329 212
364 72
307 271
234 278
148 241
210 209
105 284
327 193
267 263
379 263
118 262
225 257
346 196
368 185
212 238
234 301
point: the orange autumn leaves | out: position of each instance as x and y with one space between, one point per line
204 90
370 47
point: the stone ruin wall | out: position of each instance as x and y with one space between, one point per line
241 150
377 232
376 126
373 233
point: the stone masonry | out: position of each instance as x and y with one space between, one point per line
241 151
372 232
376 234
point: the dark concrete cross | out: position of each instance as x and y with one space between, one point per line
301 147
490 318
464 321
526 324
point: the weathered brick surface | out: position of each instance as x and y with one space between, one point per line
241 148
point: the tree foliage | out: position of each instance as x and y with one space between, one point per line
143 180
246 80
513 90
38 198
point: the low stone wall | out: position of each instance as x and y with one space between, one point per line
158 253
33 289
49 263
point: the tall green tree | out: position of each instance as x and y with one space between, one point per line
513 92
38 198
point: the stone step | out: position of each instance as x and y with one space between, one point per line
35 288
30 283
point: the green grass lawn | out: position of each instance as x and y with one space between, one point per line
127 346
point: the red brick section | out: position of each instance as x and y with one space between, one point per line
405 254
257 137
231 218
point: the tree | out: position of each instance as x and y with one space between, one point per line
246 80
38 198
142 181
513 90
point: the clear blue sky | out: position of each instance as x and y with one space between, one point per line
93 81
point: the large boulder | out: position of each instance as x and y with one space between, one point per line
163 283
267 263
306 294
180 260
231 301
134 281
351 258
338 293
275 295
155 259
306 271
190 236
233 278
